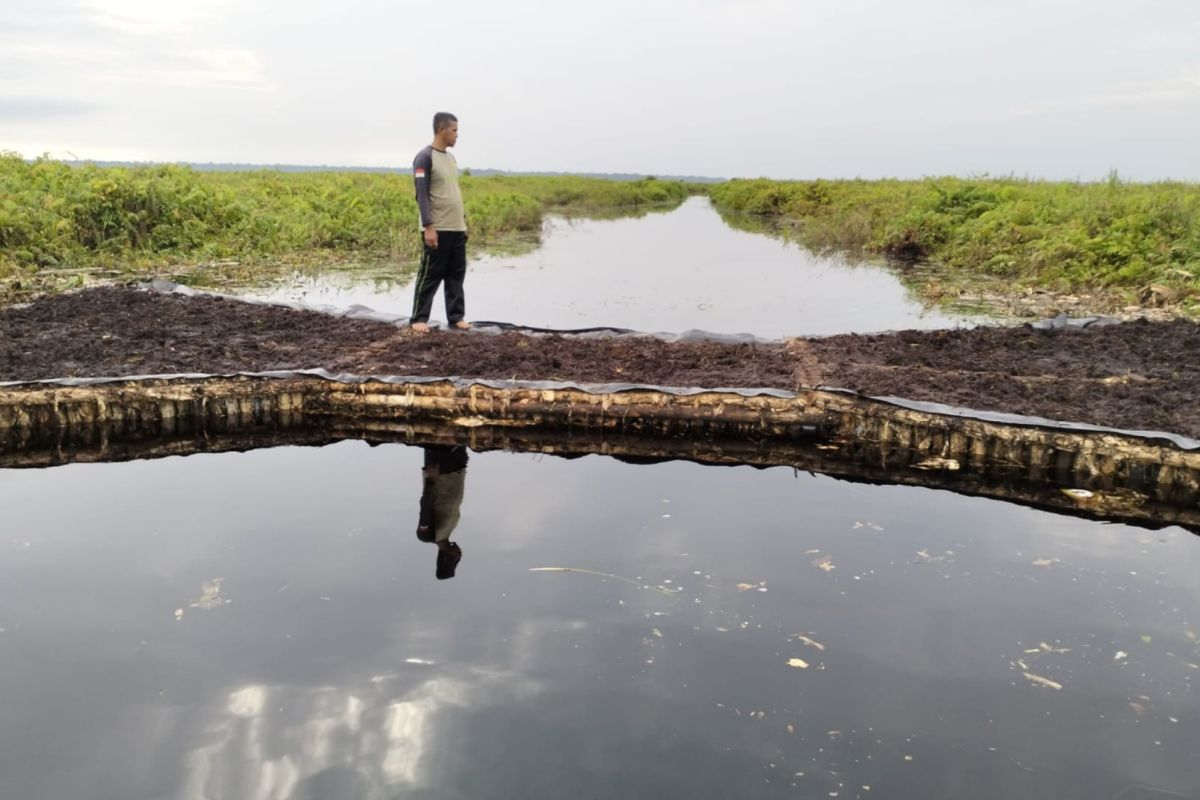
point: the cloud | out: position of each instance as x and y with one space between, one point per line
219 68
128 41
831 89
36 108
149 17
1179 89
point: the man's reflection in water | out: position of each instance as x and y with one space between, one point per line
444 475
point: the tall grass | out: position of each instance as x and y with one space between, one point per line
55 215
1110 236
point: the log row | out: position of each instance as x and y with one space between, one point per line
1123 476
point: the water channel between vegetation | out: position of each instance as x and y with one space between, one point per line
292 623
675 271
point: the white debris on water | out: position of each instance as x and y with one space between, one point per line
210 598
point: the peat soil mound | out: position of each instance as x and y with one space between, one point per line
1136 375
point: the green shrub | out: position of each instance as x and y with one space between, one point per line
1071 236
56 214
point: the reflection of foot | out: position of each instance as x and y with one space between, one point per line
449 554
463 325
419 327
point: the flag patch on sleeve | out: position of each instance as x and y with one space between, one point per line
419 173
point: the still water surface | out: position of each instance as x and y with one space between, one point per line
685 269
269 625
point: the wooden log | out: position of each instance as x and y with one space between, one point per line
882 435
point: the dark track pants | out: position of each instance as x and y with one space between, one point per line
447 264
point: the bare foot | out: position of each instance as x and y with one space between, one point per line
463 325
419 327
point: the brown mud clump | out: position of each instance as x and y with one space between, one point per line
907 249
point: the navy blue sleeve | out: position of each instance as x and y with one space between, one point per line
422 175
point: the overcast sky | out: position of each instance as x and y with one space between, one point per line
778 88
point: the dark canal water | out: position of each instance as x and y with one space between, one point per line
269 625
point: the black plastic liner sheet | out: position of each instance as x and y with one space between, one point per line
478 327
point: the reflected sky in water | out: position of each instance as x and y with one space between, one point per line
685 269
269 625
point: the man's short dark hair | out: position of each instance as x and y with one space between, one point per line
442 119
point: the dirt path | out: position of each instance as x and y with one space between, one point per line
1141 375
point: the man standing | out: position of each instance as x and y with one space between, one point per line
443 226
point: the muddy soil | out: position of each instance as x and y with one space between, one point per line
1140 375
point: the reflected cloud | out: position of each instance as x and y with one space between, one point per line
286 743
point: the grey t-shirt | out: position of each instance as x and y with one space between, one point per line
435 174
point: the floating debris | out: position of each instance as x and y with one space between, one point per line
1040 681
210 595
210 598
798 663
1044 562
656 632
1120 655
1079 494
745 587
659 589
800 637
824 563
872 525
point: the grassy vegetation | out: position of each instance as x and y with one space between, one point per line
1113 238
134 220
